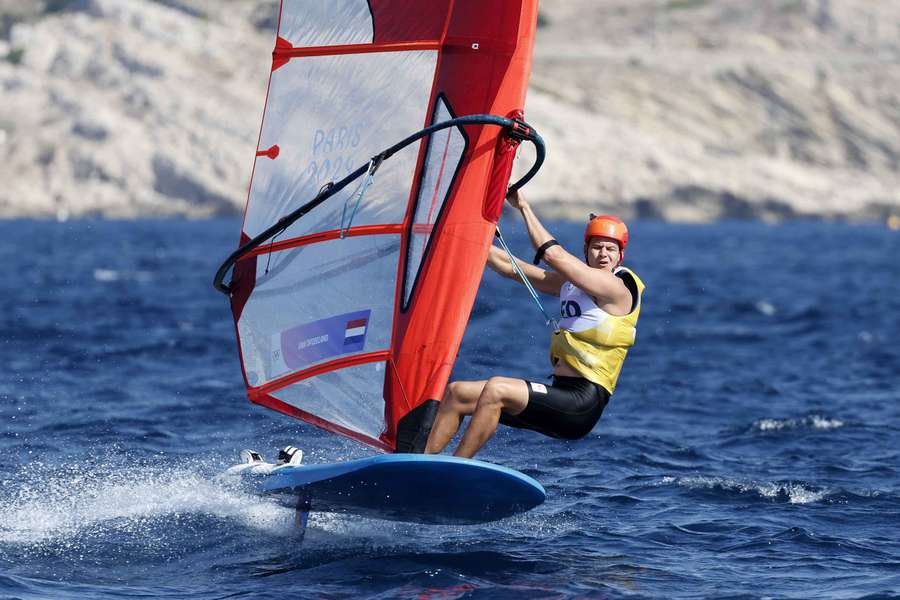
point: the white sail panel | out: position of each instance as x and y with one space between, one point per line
317 303
324 128
326 22
349 397
445 151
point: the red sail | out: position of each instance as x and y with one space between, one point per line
352 317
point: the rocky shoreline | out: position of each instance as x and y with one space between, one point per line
681 110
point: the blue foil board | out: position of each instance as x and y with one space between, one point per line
417 488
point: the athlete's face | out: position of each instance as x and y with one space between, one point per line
603 253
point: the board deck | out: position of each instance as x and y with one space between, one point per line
417 488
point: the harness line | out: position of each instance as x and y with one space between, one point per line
548 320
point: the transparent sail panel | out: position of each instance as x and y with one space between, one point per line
317 303
328 115
325 22
445 151
351 397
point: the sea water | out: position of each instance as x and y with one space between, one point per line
751 451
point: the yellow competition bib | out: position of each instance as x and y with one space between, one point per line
592 341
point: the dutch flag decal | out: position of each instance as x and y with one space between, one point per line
355 332
301 346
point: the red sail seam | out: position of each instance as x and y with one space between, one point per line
332 365
324 236
288 53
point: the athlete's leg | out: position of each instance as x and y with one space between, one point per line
459 400
499 394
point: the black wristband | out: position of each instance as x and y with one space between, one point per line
540 251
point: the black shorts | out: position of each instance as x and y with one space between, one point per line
568 409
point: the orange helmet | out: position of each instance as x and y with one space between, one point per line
607 226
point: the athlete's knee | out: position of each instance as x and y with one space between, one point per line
451 396
502 386
495 391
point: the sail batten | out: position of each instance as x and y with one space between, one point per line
285 52
322 236
350 317
333 365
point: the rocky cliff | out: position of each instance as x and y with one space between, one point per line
688 110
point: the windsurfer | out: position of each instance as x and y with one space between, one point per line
599 305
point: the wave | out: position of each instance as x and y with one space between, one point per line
114 275
808 422
792 492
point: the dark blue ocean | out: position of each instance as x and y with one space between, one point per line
751 451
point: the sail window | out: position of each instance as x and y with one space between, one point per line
442 159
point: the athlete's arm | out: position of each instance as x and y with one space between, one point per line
543 280
536 231
599 283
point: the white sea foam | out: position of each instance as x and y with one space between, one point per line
106 275
795 493
64 504
112 275
765 308
810 422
